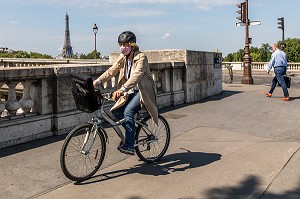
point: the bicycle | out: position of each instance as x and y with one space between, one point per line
84 148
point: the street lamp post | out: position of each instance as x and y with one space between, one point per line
95 30
247 77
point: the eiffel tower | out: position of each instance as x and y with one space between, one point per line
67 49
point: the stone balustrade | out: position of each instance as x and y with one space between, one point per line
46 106
25 62
259 66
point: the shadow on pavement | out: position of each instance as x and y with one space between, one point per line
249 188
168 164
31 145
222 95
294 98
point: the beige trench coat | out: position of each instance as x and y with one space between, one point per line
141 76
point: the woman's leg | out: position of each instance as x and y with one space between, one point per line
129 114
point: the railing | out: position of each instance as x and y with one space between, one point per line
25 62
292 66
34 86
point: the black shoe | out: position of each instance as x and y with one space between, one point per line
126 150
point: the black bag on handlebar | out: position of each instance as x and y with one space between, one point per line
86 98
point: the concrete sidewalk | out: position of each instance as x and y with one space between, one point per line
236 145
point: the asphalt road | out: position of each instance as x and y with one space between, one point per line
238 144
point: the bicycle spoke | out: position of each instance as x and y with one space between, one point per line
153 142
78 162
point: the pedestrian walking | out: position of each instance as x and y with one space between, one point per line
279 63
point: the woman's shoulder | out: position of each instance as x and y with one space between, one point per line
120 58
139 55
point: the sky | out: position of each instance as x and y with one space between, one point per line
201 25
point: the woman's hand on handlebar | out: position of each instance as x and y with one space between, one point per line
95 83
117 94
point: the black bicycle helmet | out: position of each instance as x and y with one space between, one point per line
127 37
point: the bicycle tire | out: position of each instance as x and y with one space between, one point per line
76 165
153 151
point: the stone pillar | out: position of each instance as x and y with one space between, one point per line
12 104
2 105
155 76
26 101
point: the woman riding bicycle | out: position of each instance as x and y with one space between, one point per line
136 88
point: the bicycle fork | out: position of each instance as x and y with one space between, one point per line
94 129
87 138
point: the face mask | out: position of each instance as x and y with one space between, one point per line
125 50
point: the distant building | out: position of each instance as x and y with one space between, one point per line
67 49
6 50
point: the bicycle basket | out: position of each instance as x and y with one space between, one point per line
86 98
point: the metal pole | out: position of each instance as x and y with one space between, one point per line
95 30
95 47
247 77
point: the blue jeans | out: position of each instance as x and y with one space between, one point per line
279 72
128 111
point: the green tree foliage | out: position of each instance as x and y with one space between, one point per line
90 55
38 55
262 54
7 55
292 49
229 58
24 54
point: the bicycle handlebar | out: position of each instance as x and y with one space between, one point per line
107 96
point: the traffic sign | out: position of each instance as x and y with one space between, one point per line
252 23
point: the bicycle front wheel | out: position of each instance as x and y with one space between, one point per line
82 155
152 139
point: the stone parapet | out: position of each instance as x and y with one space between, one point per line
45 105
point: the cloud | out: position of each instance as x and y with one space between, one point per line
166 35
200 4
13 22
137 12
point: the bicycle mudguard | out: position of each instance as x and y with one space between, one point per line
86 98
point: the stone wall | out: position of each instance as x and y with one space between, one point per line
181 76
203 70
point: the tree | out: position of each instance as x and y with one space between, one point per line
229 58
7 55
238 56
38 55
292 49
265 52
90 55
262 54
24 54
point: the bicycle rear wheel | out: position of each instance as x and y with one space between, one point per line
79 162
153 143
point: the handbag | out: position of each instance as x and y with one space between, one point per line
287 80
